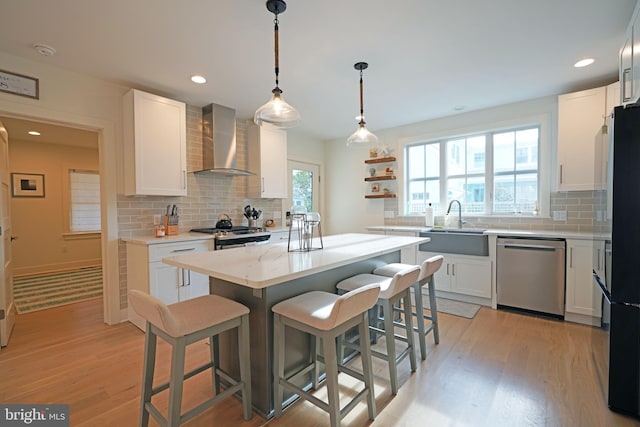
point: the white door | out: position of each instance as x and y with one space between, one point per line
7 308
304 185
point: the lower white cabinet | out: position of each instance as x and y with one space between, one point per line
279 236
581 293
462 274
146 272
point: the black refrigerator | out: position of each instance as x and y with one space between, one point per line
616 344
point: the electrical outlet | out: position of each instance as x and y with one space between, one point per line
389 214
559 215
157 219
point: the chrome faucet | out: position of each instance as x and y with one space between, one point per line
459 211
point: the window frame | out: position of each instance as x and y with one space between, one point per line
545 167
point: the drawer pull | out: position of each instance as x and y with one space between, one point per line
184 250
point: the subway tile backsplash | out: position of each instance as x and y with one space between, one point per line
579 206
208 197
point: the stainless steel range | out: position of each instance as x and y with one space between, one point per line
226 238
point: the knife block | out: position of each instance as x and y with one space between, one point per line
170 225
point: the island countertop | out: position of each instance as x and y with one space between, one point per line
261 266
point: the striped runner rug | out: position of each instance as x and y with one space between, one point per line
47 290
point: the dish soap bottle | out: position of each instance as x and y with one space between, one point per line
428 216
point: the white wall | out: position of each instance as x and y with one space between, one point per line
349 211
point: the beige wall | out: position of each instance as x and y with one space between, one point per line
38 223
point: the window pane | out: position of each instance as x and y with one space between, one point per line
526 192
475 154
302 189
433 192
527 149
415 159
455 189
474 195
503 151
504 194
433 160
455 157
416 197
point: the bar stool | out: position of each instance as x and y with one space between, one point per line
182 324
325 316
392 290
427 270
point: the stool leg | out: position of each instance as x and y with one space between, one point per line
408 322
278 363
315 346
214 346
176 381
434 309
420 320
331 366
245 366
148 367
391 345
367 370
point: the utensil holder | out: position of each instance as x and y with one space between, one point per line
171 225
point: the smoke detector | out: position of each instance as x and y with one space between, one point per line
44 50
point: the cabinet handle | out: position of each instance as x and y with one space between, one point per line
263 184
453 269
184 179
560 174
186 279
570 257
598 257
184 250
625 73
447 269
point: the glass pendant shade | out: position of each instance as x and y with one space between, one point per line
362 136
277 112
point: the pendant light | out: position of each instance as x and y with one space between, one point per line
362 135
277 112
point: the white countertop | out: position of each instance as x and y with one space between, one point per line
260 266
507 232
182 237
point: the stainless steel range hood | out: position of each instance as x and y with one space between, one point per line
219 141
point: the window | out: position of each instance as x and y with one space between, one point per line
84 199
493 172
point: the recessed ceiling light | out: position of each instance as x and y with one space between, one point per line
584 62
198 79
44 50
34 133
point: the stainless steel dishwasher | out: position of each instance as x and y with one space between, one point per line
531 274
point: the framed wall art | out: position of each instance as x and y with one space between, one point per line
18 84
27 184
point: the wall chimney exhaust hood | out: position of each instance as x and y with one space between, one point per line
219 141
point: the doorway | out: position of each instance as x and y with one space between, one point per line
47 237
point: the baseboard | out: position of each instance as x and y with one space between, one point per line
582 318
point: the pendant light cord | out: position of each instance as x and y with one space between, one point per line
361 101
276 49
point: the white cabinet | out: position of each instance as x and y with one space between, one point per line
147 272
462 274
155 145
580 289
629 70
268 160
407 255
279 236
580 119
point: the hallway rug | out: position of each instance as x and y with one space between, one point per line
47 290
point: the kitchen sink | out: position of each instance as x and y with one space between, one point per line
463 241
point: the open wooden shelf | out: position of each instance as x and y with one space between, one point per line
380 178
380 196
380 160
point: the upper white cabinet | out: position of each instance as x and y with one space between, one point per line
580 120
630 61
268 160
155 145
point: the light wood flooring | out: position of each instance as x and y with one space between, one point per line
499 369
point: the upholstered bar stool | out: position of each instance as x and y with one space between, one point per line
427 270
325 316
393 290
182 324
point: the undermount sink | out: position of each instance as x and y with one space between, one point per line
463 241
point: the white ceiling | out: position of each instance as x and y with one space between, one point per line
425 57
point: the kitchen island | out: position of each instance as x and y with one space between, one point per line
260 276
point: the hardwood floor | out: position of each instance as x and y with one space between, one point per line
499 369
